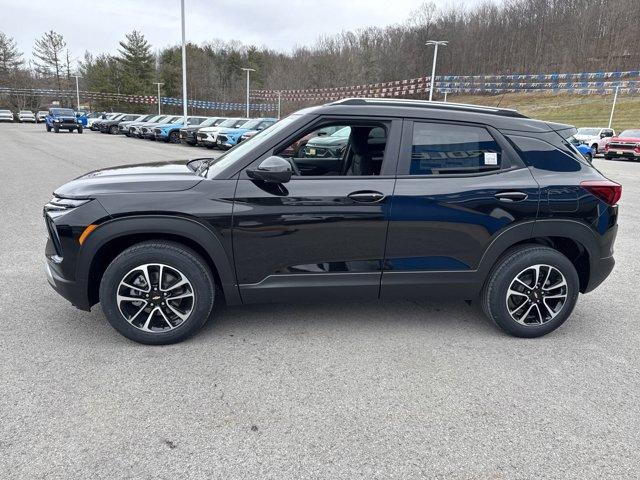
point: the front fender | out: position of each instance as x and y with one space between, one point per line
161 224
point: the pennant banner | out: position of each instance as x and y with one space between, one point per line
137 99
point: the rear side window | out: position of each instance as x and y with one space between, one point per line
444 149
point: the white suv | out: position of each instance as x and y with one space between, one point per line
595 137
26 116
208 136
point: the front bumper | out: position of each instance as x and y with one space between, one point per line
609 154
73 291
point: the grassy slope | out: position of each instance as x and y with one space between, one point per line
578 110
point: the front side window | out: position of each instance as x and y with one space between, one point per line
345 149
444 149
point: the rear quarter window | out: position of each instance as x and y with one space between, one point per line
545 156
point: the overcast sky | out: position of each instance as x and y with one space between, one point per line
280 25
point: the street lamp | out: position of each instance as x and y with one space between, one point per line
248 70
158 84
184 69
436 44
613 107
77 92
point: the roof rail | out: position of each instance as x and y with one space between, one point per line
505 112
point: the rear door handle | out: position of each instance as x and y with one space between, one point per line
366 196
511 197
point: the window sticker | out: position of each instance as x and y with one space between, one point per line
490 158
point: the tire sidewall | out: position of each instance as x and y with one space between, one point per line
506 273
187 262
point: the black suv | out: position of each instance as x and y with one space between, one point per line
456 201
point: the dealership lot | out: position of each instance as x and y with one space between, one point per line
347 390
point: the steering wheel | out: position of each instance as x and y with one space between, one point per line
294 167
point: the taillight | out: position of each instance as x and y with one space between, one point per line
605 190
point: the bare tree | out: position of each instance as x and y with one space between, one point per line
48 50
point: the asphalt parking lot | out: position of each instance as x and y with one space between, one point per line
400 390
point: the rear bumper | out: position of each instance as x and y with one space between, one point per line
600 270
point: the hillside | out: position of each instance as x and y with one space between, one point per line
578 110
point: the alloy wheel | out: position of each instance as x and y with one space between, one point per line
155 297
536 295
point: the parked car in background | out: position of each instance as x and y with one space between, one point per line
460 204
171 132
625 145
208 136
93 117
595 137
146 130
40 116
330 146
123 127
62 118
188 134
229 137
111 126
585 150
95 126
6 116
26 116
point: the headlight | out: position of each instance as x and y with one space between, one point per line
56 120
58 204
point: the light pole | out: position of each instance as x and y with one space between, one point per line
77 92
184 69
613 107
158 84
279 101
436 44
248 70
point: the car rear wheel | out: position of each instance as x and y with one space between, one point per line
56 128
174 137
594 149
531 291
157 293
80 129
48 128
113 130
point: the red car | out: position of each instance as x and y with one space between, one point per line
625 145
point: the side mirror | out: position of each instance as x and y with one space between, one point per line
273 169
602 135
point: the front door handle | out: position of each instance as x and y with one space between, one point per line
366 196
511 197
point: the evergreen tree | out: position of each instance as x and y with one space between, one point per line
10 57
48 50
137 62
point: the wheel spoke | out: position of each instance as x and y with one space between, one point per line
178 284
182 316
147 278
522 283
165 318
515 292
130 320
561 283
177 297
133 287
526 302
149 318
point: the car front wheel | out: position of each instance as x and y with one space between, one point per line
531 291
157 293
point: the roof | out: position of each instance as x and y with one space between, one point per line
506 112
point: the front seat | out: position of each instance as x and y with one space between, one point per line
359 159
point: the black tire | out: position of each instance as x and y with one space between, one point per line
594 149
56 128
80 129
174 137
589 157
113 130
507 268
48 128
176 256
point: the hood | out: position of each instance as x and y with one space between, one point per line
625 139
192 128
171 176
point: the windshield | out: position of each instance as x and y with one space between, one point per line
588 131
230 122
241 149
631 133
251 124
63 111
208 122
